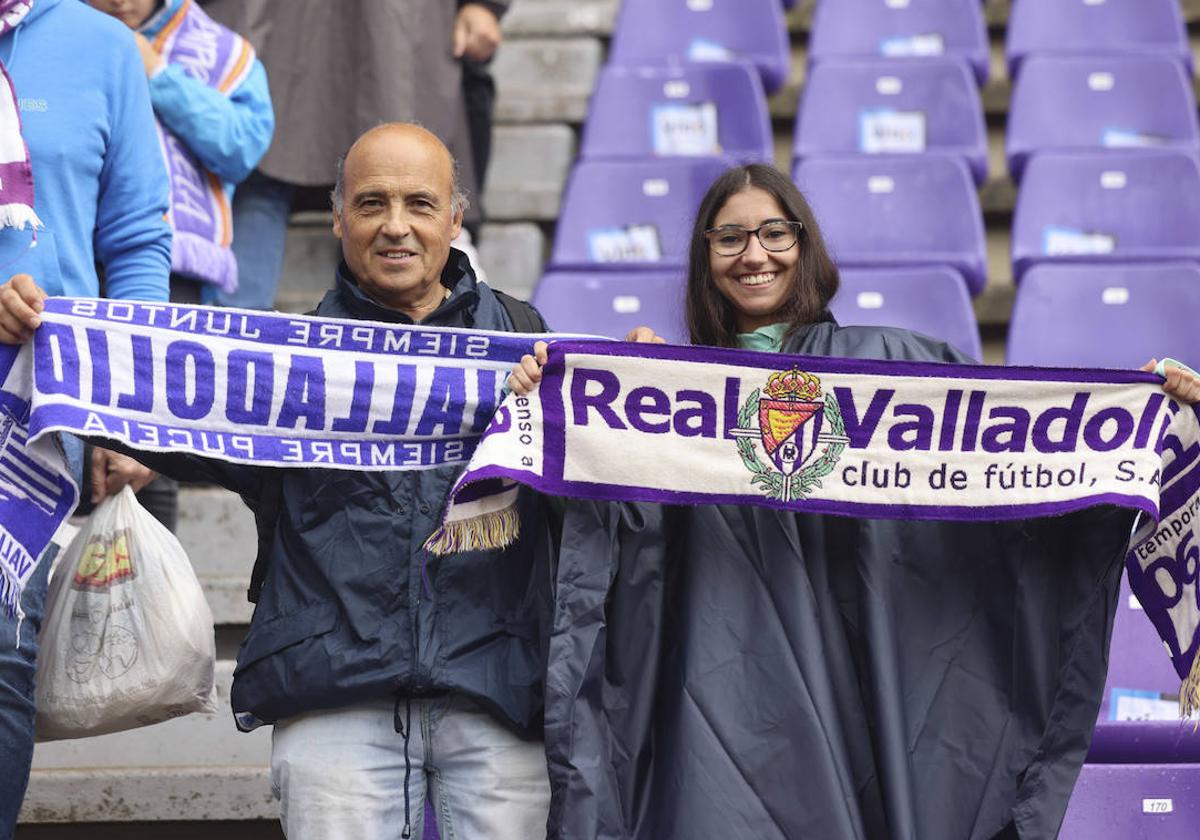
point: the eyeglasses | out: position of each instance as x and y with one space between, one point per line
730 241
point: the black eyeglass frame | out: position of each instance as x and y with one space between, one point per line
798 228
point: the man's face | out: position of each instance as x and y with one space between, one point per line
396 223
132 13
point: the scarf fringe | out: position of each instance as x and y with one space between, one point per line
1189 692
496 529
18 216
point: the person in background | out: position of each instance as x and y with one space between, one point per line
83 167
365 62
210 98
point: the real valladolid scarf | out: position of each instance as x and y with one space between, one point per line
893 439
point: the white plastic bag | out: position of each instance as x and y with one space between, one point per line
128 635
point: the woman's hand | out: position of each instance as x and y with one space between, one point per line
644 335
1180 383
528 372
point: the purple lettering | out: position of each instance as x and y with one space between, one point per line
581 400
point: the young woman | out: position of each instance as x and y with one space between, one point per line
737 672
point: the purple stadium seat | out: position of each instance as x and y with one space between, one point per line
1110 102
933 301
1075 27
1117 315
901 29
631 211
1139 718
874 106
1134 802
898 211
685 110
654 31
1106 206
612 302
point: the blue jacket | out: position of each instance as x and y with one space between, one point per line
353 608
100 186
228 134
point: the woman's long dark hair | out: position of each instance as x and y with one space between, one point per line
711 319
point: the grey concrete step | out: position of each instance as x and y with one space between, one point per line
513 256
555 17
218 533
125 795
197 767
546 79
529 168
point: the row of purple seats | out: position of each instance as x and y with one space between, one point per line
591 299
678 110
1089 27
901 29
1143 766
919 210
1065 103
1096 207
1059 104
892 106
1117 315
671 31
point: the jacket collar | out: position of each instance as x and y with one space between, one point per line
457 276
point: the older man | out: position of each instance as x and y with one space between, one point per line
383 667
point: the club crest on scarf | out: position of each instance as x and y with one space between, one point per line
799 451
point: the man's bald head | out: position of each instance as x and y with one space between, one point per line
402 132
396 211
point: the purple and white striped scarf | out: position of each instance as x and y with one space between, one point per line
16 171
877 439
200 214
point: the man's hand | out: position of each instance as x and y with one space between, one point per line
476 32
20 309
151 60
111 471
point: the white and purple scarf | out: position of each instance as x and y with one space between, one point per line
200 213
880 439
16 171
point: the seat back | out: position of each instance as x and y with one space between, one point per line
881 106
613 302
651 31
1130 801
689 110
932 301
901 29
1064 103
1105 206
637 211
898 211
1117 315
1072 27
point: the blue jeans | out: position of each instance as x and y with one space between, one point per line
340 774
18 663
17 666
261 207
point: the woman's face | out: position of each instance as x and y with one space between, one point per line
756 282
